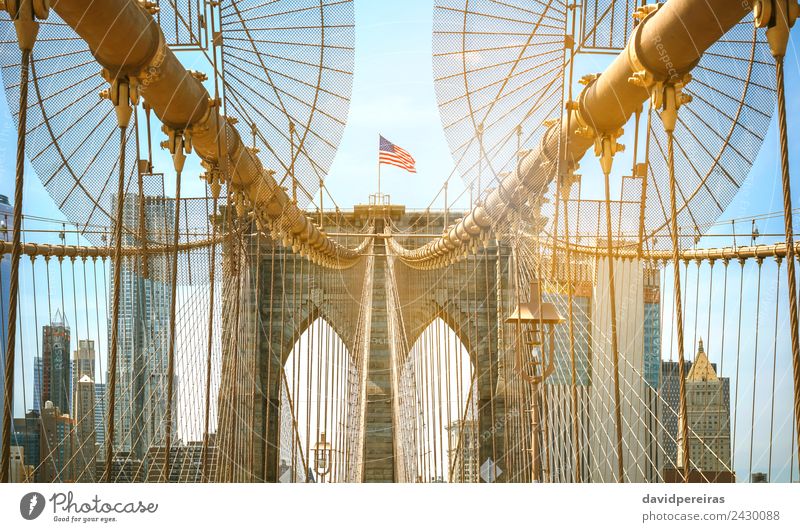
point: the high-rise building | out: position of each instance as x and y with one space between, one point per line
462 451
56 445
559 383
100 415
124 468
83 361
709 419
582 330
668 412
52 372
651 370
637 299
27 434
6 227
145 298
38 375
186 464
85 451
652 327
19 472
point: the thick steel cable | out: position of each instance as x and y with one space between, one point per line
211 281
755 370
612 298
787 220
13 289
171 346
676 277
570 317
774 365
112 353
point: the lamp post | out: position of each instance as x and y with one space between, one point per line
532 317
323 456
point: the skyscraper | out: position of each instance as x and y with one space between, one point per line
639 346
140 403
709 418
6 225
652 327
85 452
668 412
100 415
83 361
19 472
38 376
56 445
27 434
52 372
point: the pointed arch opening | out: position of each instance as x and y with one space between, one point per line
438 401
318 408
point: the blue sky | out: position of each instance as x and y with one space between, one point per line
393 94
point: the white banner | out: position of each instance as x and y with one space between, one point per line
241 507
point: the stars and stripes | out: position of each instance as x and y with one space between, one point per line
389 153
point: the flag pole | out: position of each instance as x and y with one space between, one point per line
379 166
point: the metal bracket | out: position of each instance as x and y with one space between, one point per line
778 16
178 143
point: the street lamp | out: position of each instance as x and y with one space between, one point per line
531 318
323 456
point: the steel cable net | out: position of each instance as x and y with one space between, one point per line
289 62
717 138
183 23
72 135
282 62
497 66
607 24
718 135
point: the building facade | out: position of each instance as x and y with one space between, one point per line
145 298
709 419
83 361
100 415
462 451
85 450
53 371
637 296
27 434
56 445
18 471
668 412
6 227
186 462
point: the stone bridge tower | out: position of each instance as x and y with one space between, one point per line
281 294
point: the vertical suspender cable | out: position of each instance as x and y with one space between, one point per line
179 157
676 277
759 261
612 298
778 261
211 281
121 99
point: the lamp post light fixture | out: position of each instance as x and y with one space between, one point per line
531 319
323 456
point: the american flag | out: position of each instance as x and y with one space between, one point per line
389 153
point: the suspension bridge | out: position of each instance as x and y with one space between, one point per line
201 309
